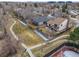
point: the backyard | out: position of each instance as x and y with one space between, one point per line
27 35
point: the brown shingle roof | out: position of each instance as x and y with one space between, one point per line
56 21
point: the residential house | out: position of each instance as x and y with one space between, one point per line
38 10
76 23
39 20
41 11
55 13
73 12
58 24
25 12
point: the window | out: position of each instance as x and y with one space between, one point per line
45 22
51 28
55 25
61 24
49 24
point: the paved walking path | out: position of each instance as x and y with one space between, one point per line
63 36
38 33
28 49
22 22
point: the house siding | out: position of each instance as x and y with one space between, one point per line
63 25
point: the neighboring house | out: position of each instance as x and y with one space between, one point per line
60 4
73 12
38 10
30 4
41 10
39 20
76 23
55 13
58 24
25 12
51 16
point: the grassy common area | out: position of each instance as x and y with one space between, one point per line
42 50
22 54
27 35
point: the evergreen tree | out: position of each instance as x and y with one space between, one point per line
35 5
74 36
64 7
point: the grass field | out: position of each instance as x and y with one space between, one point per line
22 53
27 35
42 50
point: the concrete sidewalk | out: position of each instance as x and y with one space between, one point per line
39 34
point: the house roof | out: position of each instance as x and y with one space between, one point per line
74 12
40 19
56 21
